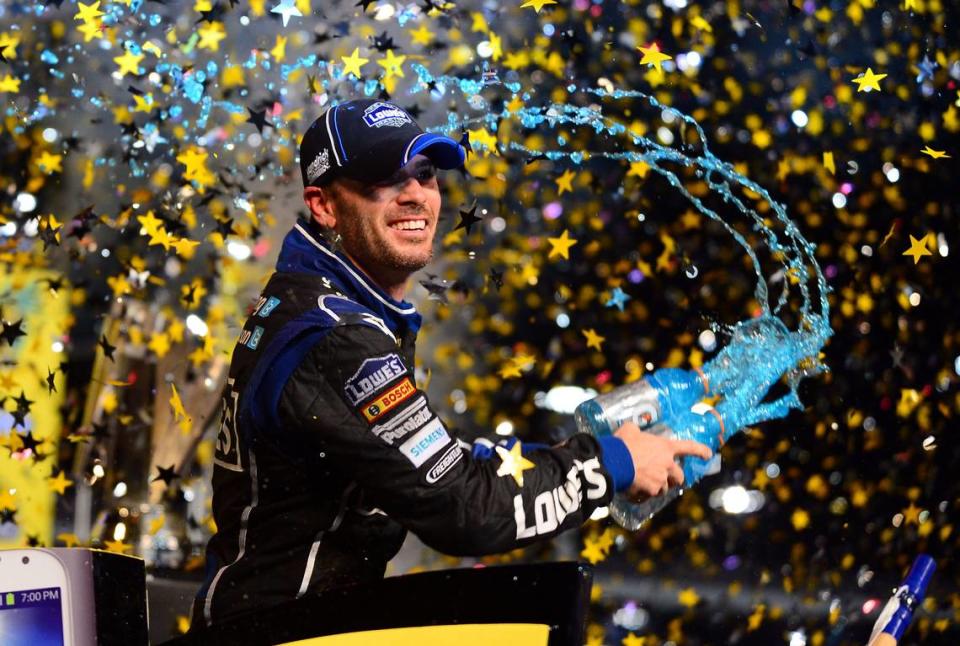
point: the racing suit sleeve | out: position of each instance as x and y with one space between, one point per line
362 411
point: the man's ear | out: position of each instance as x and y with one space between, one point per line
320 203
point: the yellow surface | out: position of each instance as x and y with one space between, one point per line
24 482
459 635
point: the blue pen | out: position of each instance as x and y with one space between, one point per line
898 613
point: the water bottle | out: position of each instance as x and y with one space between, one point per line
658 404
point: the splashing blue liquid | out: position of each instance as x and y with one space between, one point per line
760 351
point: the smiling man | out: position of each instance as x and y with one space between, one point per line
328 452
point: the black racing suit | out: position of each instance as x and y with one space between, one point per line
328 452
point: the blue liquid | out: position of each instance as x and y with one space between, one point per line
761 351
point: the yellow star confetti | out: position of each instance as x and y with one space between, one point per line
653 56
638 169
828 163
421 36
869 81
512 463
88 12
917 249
210 36
936 154
129 63
279 51
353 63
160 345
561 246
537 5
7 501
68 540
909 399
592 552
9 84
596 548
59 483
756 617
392 65
565 182
179 413
912 514
594 340
50 163
118 547
149 222
195 159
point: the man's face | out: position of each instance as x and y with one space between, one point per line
388 227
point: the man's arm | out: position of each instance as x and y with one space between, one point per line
364 414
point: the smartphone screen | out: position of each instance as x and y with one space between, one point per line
31 617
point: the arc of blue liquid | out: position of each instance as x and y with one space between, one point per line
761 350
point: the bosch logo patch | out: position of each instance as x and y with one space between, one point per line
388 400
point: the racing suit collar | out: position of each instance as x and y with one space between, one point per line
304 250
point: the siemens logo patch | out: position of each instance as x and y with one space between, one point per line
425 444
372 375
444 464
410 419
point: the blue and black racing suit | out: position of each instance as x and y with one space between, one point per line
328 452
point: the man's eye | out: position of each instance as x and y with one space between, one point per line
427 174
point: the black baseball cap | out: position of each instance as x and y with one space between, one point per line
369 140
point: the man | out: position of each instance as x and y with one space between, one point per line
328 452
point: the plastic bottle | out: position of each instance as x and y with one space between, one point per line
657 404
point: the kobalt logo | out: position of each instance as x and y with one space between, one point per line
444 464
372 374
551 507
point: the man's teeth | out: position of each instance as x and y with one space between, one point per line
410 225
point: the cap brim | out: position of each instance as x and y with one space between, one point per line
443 151
391 156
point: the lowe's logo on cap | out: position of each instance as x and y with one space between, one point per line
383 114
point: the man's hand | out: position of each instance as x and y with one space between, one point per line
654 460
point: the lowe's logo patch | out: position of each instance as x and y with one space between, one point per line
384 114
372 376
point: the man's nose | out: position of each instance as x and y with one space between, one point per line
411 190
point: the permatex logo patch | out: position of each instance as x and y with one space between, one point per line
372 376
389 400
